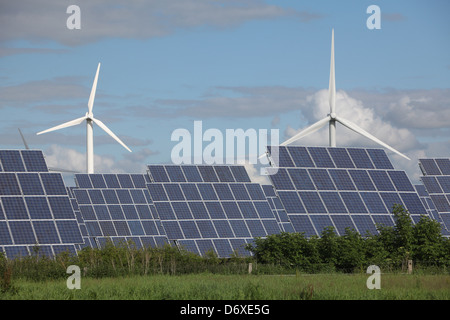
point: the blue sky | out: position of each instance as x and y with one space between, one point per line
232 64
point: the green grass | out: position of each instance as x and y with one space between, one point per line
237 287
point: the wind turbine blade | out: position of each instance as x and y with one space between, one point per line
53 169
313 128
65 125
362 132
94 88
332 83
23 139
105 128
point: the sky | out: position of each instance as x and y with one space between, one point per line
250 64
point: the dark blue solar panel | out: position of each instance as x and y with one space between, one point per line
22 232
430 167
173 192
312 202
34 161
321 222
341 158
224 173
223 228
444 165
208 174
9 184
215 210
381 180
30 183
444 181
281 180
256 228
248 210
362 180
110 180
413 203
284 159
190 191
321 157
353 202
360 158
321 179
239 192
53 184
206 229
223 191
373 202
175 173
191 173
14 208
11 161
255 191
364 224
333 202
291 202
301 179
302 224
190 229
401 181
380 159
158 173
342 222
300 156
342 179
38 208
240 174
207 191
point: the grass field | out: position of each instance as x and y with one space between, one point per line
237 287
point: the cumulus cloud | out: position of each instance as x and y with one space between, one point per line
70 159
46 20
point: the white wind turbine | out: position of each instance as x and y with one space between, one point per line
332 117
89 117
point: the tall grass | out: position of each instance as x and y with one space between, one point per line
208 286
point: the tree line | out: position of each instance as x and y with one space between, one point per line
391 247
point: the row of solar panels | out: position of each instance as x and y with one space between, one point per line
204 207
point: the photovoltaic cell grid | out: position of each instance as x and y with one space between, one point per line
436 179
36 216
118 208
341 187
430 207
277 208
206 208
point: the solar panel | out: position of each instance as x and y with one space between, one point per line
35 211
211 207
340 187
436 190
117 208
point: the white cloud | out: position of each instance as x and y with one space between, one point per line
46 20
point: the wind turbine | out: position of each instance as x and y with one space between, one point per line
89 118
332 117
49 168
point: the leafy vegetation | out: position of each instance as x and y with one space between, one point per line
391 248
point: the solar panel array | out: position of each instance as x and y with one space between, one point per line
340 187
117 208
36 216
206 207
436 179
